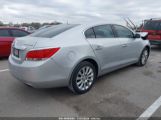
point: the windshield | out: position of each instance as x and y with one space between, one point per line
52 31
152 25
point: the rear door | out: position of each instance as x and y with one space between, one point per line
130 47
106 47
5 42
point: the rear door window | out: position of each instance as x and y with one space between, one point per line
103 31
18 33
4 33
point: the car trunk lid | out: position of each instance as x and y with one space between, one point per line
21 46
27 42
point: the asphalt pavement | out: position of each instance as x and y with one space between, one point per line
127 92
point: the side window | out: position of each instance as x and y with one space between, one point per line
159 26
103 31
4 33
151 25
18 33
123 32
90 33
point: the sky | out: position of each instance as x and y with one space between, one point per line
78 11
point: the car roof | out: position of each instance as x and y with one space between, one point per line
92 24
152 20
15 28
5 27
86 25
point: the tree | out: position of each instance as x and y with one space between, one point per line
35 25
17 25
25 24
1 23
10 24
55 23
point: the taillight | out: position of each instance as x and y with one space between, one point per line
41 54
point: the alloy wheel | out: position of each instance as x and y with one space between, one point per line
85 78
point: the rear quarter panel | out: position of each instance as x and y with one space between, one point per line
74 48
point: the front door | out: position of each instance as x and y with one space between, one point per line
130 47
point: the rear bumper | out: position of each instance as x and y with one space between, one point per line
155 42
44 74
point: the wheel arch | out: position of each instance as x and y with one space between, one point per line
148 47
93 62
88 59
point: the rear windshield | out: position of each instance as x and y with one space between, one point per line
152 25
52 31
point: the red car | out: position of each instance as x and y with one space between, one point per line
153 27
7 35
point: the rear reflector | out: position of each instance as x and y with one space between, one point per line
41 54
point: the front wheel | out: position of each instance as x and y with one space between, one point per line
83 78
144 57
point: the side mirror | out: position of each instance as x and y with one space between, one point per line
143 35
137 35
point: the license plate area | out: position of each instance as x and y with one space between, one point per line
16 52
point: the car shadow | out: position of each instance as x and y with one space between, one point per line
3 58
113 73
156 48
59 93
29 92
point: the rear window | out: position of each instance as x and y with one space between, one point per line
18 33
52 31
4 33
152 25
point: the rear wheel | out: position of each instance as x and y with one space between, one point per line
144 57
83 78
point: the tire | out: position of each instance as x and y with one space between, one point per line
83 78
143 57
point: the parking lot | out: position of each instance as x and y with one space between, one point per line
124 93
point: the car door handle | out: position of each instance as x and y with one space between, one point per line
124 45
98 47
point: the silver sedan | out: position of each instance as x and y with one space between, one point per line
74 55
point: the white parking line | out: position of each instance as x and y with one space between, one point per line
4 70
151 110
